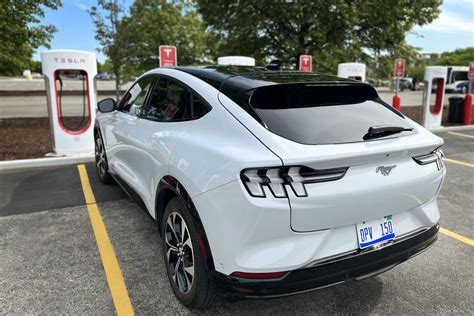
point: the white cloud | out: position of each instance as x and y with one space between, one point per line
81 6
450 22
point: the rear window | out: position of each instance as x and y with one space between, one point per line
323 113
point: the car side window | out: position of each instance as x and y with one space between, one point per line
168 102
134 99
198 107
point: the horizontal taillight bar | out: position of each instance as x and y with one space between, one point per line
435 156
278 178
259 276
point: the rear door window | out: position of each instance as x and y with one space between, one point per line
323 114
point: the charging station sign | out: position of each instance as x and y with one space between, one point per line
168 56
399 69
306 63
471 70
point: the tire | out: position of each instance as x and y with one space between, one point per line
464 89
101 165
192 284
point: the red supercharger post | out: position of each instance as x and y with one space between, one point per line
468 99
398 72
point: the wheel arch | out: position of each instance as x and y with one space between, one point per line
168 188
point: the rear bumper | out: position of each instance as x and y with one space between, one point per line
355 266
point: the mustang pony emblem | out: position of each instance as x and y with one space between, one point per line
385 170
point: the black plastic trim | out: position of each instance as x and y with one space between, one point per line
171 183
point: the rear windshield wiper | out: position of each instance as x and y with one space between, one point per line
381 131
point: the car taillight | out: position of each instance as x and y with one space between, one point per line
435 156
261 276
277 179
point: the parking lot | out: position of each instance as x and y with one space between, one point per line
70 245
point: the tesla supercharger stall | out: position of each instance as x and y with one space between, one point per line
433 95
352 71
71 95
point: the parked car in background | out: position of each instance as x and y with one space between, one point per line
103 76
463 87
456 75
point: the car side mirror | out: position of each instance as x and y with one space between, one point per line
107 105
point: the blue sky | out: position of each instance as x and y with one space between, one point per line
453 29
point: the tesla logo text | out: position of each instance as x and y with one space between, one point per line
70 60
385 170
167 51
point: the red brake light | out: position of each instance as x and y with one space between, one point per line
265 276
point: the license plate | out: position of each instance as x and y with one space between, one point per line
374 232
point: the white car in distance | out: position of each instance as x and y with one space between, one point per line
269 183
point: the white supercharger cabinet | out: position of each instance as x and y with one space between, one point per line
76 70
236 61
434 85
352 70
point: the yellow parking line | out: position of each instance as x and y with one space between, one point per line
117 287
461 134
456 236
462 163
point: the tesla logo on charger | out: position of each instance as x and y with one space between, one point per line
168 56
64 60
385 170
306 63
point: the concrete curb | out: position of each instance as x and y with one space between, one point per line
11 165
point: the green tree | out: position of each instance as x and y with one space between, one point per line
111 35
459 57
159 22
331 30
21 34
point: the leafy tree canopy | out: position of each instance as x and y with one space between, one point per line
110 32
152 23
330 30
21 34
459 57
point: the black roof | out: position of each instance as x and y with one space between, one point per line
237 79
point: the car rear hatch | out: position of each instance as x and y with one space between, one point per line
320 133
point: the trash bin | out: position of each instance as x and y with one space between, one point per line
456 109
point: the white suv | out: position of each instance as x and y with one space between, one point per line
268 183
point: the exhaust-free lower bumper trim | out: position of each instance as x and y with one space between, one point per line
356 267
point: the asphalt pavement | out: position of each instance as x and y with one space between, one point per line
50 261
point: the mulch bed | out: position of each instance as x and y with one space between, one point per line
24 138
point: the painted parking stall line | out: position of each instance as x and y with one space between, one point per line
461 134
456 236
118 289
461 163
